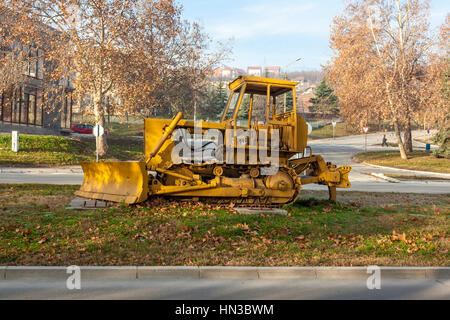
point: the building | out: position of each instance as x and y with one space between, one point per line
254 71
272 72
23 109
304 103
227 73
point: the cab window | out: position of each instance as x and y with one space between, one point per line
233 104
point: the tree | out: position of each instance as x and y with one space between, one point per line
15 53
381 50
186 84
214 101
130 56
437 79
325 100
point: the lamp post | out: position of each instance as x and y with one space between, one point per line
285 78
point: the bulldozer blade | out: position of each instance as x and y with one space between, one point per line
115 181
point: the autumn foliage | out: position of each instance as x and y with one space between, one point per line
130 56
386 65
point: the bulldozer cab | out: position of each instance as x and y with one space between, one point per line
263 103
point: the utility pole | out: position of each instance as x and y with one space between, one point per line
285 78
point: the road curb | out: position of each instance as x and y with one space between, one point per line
382 176
35 273
127 273
281 273
247 273
60 273
425 173
109 273
176 272
338 273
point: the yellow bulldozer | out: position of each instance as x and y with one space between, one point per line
256 156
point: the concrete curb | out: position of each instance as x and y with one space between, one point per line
424 173
109 273
177 272
229 273
35 273
127 273
382 176
60 273
281 273
40 170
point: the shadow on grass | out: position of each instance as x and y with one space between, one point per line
312 202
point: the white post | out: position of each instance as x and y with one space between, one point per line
334 127
96 139
365 142
15 141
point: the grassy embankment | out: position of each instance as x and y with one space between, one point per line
60 151
341 130
364 229
417 160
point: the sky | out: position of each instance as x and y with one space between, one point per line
277 32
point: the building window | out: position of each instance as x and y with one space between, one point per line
31 108
35 64
15 108
39 106
40 64
66 111
6 107
25 107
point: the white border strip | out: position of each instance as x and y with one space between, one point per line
195 272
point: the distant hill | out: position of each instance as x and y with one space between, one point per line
313 77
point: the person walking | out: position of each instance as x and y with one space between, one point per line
384 142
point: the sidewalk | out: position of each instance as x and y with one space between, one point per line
60 170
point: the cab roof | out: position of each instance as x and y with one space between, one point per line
258 85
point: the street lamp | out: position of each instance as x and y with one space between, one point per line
285 78
288 65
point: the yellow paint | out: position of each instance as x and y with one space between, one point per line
115 181
129 181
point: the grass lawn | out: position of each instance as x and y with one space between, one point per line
130 129
417 160
341 130
59 151
364 229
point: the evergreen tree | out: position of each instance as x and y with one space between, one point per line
214 102
325 100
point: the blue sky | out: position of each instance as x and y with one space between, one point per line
277 32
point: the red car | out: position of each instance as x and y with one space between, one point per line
82 128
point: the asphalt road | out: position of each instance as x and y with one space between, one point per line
42 178
339 151
199 289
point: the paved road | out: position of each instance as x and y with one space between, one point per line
42 178
227 289
339 151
